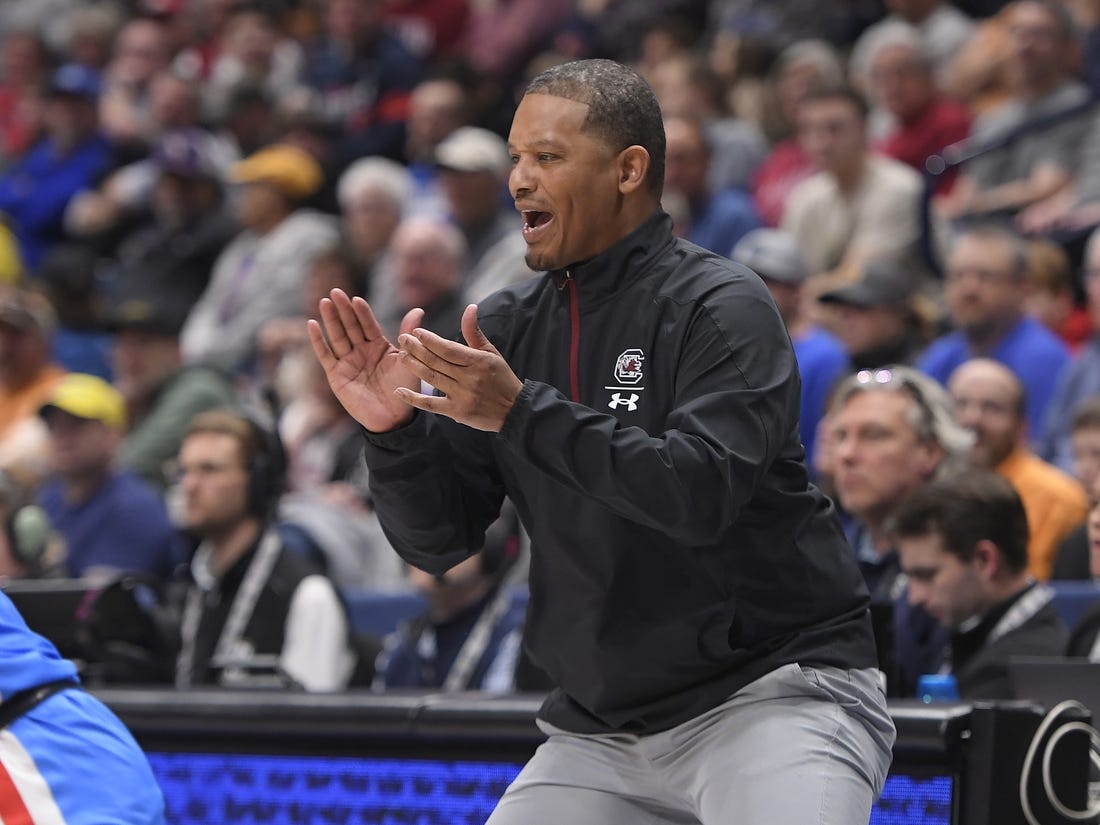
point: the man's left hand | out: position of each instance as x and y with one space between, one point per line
478 385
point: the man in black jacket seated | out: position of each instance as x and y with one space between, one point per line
962 541
692 595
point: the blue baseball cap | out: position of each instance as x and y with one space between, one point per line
77 80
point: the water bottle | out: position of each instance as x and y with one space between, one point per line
938 687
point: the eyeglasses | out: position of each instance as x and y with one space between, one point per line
983 276
174 472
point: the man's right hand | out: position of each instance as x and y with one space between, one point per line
363 368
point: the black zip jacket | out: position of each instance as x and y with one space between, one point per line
678 549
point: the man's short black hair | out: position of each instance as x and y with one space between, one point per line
964 509
622 109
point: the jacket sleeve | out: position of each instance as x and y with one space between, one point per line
734 410
435 488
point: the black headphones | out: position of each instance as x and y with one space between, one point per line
266 469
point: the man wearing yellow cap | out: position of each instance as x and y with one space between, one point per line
259 276
111 521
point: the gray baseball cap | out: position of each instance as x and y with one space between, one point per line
772 254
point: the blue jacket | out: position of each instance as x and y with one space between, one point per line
35 191
69 759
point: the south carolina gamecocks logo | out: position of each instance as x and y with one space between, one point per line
628 367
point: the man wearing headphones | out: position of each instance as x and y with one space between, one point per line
256 612
469 636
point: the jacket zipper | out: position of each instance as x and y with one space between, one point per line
574 337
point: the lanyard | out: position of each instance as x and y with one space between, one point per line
240 613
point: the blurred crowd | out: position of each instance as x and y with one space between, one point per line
181 181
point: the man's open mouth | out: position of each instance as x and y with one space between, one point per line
534 221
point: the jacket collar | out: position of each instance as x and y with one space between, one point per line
622 262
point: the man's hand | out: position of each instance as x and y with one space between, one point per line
363 368
479 387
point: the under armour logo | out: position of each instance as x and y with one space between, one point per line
630 402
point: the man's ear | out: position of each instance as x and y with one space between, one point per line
988 558
633 166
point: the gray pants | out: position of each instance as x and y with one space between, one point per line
799 746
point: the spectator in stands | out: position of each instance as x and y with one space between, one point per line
1038 163
860 206
473 173
889 432
142 49
24 71
186 223
878 317
71 278
259 276
162 394
255 612
361 76
989 401
92 31
686 87
717 220
502 35
66 756
1081 379
427 264
112 522
801 68
978 75
72 154
437 107
941 28
469 636
986 281
963 545
374 195
822 362
1074 208
28 375
431 29
1073 559
252 50
902 85
1050 294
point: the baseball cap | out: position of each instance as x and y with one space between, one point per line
291 170
75 79
471 149
772 254
88 397
879 285
27 311
189 153
144 315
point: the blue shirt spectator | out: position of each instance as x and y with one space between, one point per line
111 521
363 76
1035 354
72 155
984 287
122 527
